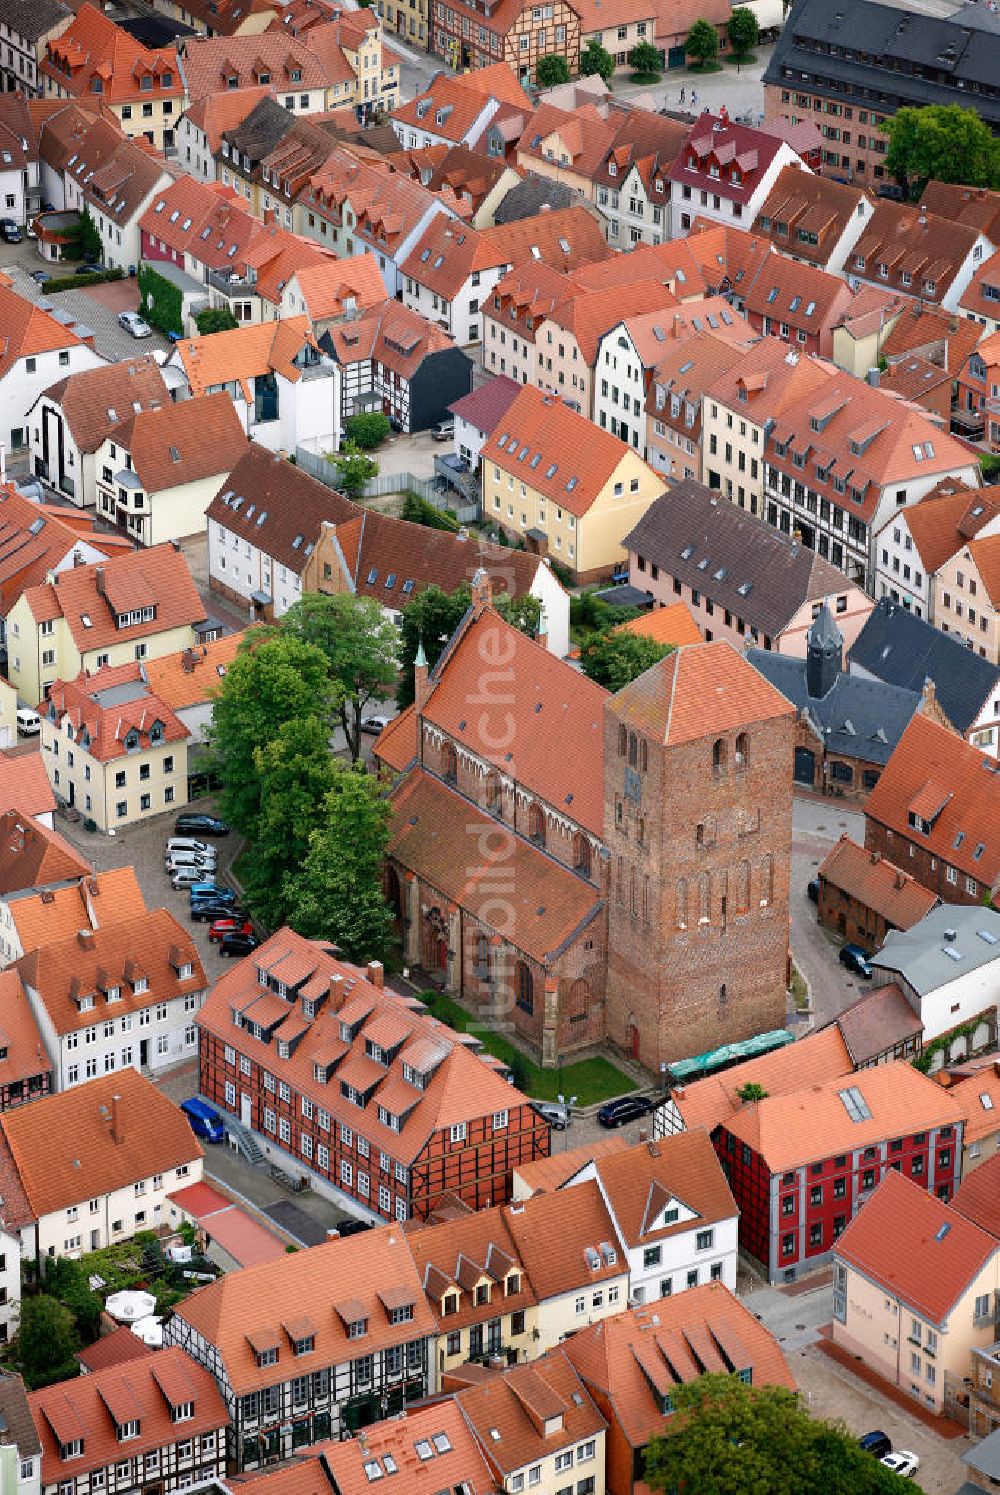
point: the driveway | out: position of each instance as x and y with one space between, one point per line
97 309
816 825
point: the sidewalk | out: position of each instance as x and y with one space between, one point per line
741 91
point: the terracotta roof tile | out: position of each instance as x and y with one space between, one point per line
94 401
819 1056
327 288
28 330
978 1197
391 334
55 915
970 818
667 1343
920 328
813 204
116 1348
588 315
448 252
24 1055
185 442
86 1404
681 1167
431 824
485 406
975 206
465 96
572 703
947 517
108 706
455 1255
155 1137
209 62
877 1023
243 354
697 691
805 297
92 964
672 625
32 856
979 1096
25 785
449 1457
94 47
876 882
226 109
269 502
917 248
35 541
985 554
421 557
91 592
801 1126
508 1412
944 1252
396 744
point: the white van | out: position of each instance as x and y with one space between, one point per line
29 723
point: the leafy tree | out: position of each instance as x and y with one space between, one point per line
47 1340
744 33
66 1280
614 660
595 59
361 646
702 43
727 1438
295 771
989 466
417 510
944 142
87 238
336 893
368 429
355 468
275 678
551 69
432 617
644 59
215 319
751 1091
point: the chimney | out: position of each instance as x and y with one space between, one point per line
85 939
873 377
482 592
928 695
900 880
336 990
117 1121
376 973
99 579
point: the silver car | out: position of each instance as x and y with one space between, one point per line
133 323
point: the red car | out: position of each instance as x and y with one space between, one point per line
221 927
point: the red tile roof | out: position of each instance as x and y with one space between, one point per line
698 691
672 625
968 815
947 518
226 109
808 206
116 1348
943 1256
513 1414
551 700
103 725
390 334
209 63
806 1125
25 785
448 252
154 1136
94 401
640 1182
636 1358
91 598
92 1407
448 1458
94 50
463 97
32 856
876 882
978 1197
739 154
186 442
28 330
56 914
24 1055
486 405
979 1096
922 253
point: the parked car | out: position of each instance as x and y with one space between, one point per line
187 843
204 889
207 910
133 323
9 231
876 1442
89 269
626 1108
556 1114
184 877
812 888
40 277
238 944
194 823
374 723
206 1123
902 1462
188 859
226 924
29 723
354 1227
856 960
444 430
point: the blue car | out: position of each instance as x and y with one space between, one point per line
206 1122
856 960
213 891
626 1108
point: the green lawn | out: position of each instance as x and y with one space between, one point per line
590 1080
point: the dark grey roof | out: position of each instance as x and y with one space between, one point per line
18 1426
264 128
824 630
952 941
857 718
957 45
984 1458
905 650
626 596
155 30
531 196
695 534
33 18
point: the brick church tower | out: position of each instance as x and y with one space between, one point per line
698 825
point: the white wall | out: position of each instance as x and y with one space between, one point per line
10 1285
85 1223
22 385
237 564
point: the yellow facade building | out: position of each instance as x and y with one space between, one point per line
568 489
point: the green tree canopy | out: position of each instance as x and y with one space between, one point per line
215 319
295 771
726 1438
361 646
336 893
87 239
644 59
47 1340
702 43
355 468
432 617
751 1091
275 677
596 60
551 69
744 33
367 430
614 660
66 1280
943 142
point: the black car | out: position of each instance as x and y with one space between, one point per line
192 823
876 1442
238 944
856 960
88 270
353 1227
812 888
626 1108
207 910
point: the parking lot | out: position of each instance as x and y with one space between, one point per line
96 308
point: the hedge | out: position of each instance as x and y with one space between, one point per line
79 282
160 301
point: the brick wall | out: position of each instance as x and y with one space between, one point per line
918 860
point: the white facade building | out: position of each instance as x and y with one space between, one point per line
948 968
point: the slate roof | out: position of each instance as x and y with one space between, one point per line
264 127
531 196
903 650
747 551
927 957
857 718
32 18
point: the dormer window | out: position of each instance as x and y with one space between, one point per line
113 994
449 1304
402 1315
140 984
357 1329
128 1430
612 169
131 741
513 1284
482 1293
71 1450
305 1346
184 973
268 1356
183 1412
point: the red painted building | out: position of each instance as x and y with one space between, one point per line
800 1165
349 1083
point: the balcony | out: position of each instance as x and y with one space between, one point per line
231 285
